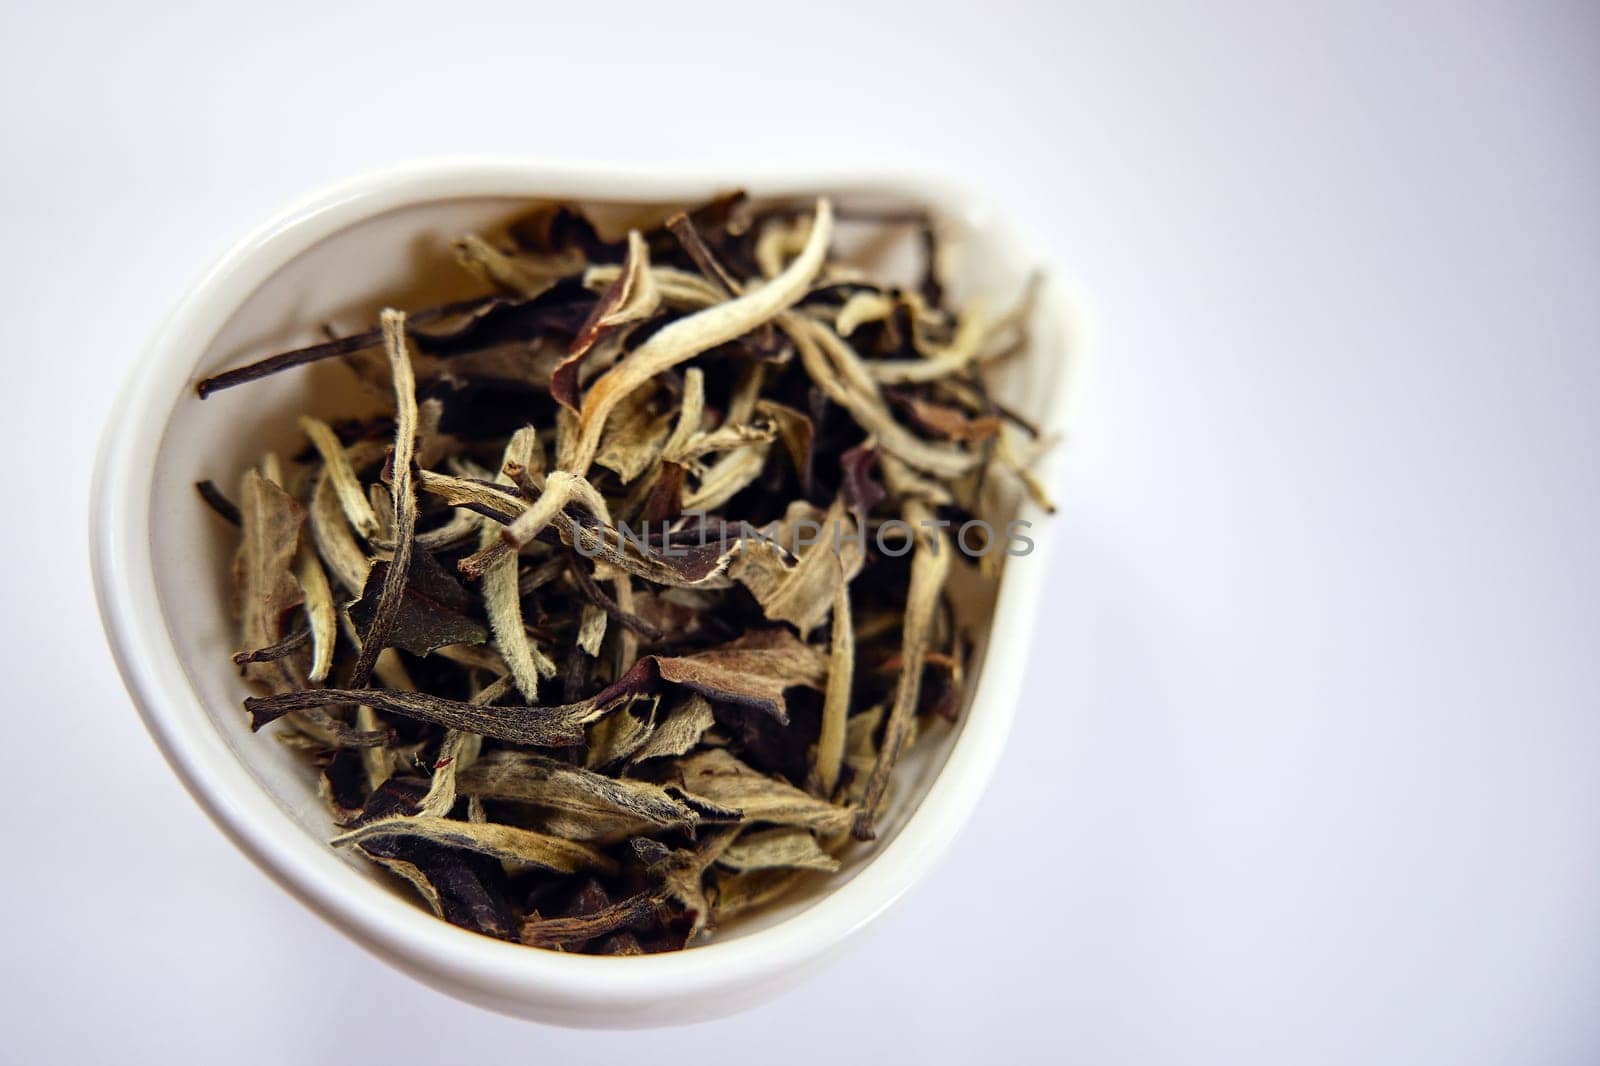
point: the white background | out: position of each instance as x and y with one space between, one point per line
1309 765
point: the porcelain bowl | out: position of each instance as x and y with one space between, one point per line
160 565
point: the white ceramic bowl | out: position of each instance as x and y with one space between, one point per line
160 562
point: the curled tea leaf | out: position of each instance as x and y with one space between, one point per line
836 701
930 566
690 336
632 297
336 468
386 611
504 842
530 778
501 596
321 616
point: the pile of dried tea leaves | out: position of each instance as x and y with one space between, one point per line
615 625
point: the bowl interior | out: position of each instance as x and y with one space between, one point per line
402 258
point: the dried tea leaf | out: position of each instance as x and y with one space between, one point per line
560 488
971 334
688 337
215 499
462 527
721 779
432 609
678 565
263 568
861 491
741 892
634 436
336 468
561 932
527 277
798 435
802 593
502 597
329 532
632 297
504 842
455 751
780 848
272 653
951 422
530 778
688 235
540 727
387 608
591 629
322 617
839 371
836 698
752 671
462 888
868 305
343 346
679 731
930 566
779 241
683 876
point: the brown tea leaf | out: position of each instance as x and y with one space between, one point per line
679 731
615 738
224 508
802 593
463 888
539 727
950 422
683 876
632 297
432 610
781 848
560 932
530 778
752 671
504 842
387 609
720 778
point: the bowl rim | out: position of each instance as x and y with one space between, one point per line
395 929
